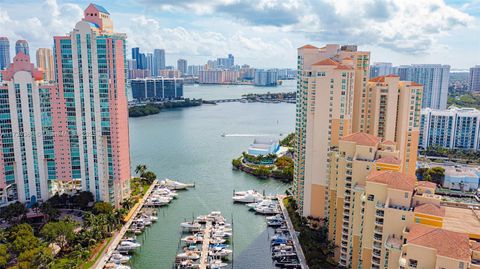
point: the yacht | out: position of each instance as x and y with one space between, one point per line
175 185
190 226
215 264
126 246
192 239
248 198
222 252
276 217
265 202
165 192
189 255
267 210
119 258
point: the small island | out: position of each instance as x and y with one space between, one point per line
154 107
275 162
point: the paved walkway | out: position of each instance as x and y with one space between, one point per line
205 245
291 229
117 237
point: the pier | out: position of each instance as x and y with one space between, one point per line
293 233
117 237
205 246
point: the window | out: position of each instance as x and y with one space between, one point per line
370 197
412 263
406 195
403 217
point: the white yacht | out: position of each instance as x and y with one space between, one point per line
248 198
189 255
221 252
126 246
216 264
265 202
119 258
175 185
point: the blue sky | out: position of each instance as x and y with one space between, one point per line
266 33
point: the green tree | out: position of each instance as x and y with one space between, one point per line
13 211
103 208
140 169
43 258
4 256
47 209
61 232
21 238
149 177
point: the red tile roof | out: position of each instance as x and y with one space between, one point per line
363 139
344 67
415 84
327 61
382 78
427 184
394 180
447 243
308 46
430 209
388 160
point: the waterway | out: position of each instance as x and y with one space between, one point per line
186 145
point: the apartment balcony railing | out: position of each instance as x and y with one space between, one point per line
377 245
393 243
377 253
380 205
380 213
399 207
379 222
375 261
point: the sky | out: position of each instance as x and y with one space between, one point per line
266 33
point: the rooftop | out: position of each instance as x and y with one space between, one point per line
462 220
426 184
101 8
447 243
363 139
395 180
308 46
382 78
388 160
327 61
430 209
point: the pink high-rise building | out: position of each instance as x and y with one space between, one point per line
90 68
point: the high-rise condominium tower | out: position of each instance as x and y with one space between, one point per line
336 99
22 46
328 81
473 78
433 77
158 61
32 148
381 69
45 63
90 66
182 66
4 52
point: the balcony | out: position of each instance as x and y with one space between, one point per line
380 213
377 253
377 245
375 261
379 222
399 207
380 205
393 243
377 237
344 243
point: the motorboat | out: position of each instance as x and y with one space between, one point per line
275 223
175 185
265 202
217 240
216 264
248 198
222 252
188 225
122 266
282 247
187 264
119 258
218 246
126 246
280 254
267 210
165 192
192 239
189 255
242 193
276 217
221 234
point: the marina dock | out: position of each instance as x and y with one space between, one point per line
205 246
291 229
100 264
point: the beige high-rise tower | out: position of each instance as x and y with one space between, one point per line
334 99
45 63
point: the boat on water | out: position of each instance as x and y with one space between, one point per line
189 255
248 198
187 264
219 252
161 191
215 264
119 258
265 202
127 246
276 217
175 185
267 210
193 239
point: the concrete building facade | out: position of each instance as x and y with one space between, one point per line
45 63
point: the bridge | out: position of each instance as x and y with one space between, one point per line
223 101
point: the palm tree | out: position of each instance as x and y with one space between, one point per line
141 169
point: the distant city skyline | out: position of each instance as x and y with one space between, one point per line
266 33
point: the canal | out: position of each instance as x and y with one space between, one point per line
186 145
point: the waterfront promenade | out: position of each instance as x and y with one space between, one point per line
117 237
291 229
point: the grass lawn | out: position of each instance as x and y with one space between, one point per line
98 253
